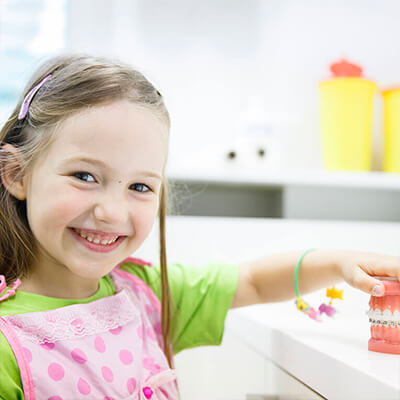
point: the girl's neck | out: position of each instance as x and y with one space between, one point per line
31 285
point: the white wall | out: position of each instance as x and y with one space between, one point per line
214 60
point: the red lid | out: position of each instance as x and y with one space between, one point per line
345 68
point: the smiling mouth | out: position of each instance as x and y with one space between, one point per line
96 238
92 235
96 244
98 247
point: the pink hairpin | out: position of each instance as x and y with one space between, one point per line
28 98
9 292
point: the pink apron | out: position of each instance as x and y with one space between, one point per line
107 349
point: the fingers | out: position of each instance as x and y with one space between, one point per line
361 274
368 284
384 266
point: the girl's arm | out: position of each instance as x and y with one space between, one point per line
271 278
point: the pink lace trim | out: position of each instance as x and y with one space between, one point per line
73 321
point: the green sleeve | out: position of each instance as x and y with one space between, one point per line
201 298
10 380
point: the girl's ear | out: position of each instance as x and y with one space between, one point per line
9 171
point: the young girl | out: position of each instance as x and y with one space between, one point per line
82 180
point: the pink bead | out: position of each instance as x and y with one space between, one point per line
148 393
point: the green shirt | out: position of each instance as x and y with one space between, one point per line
202 296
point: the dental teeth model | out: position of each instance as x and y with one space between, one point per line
384 316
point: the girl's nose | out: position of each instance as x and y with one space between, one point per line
112 209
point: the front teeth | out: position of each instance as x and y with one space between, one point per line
385 318
97 241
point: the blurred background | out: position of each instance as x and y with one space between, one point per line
241 81
220 64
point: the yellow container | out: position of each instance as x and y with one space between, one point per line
391 130
346 123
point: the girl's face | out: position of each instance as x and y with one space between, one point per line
117 192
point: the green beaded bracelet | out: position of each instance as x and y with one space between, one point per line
304 307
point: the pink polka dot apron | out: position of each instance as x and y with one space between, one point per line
109 349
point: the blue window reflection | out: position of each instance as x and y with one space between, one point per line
30 31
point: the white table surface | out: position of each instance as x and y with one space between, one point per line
331 357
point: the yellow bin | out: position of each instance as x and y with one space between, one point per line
346 123
391 130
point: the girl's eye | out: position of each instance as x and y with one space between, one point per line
83 174
141 187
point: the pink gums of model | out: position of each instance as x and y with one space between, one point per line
384 316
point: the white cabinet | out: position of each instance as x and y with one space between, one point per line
234 371
225 372
286 387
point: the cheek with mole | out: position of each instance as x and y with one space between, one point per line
384 317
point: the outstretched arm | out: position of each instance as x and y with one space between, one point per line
271 278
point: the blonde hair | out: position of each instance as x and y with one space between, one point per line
78 81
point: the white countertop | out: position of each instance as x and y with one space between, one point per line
331 357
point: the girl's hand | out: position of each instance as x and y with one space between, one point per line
358 269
